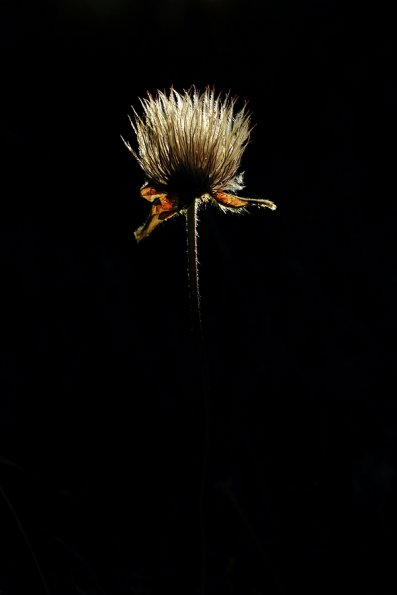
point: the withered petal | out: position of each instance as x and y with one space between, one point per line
163 207
235 202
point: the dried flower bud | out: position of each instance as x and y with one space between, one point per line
190 147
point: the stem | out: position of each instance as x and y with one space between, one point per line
192 255
191 229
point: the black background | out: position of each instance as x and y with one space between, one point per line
101 408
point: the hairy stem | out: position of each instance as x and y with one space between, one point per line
192 255
191 228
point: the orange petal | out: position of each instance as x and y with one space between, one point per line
229 200
163 207
150 193
164 202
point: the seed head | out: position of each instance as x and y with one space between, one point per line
190 147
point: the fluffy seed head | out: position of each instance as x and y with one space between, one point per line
191 142
190 146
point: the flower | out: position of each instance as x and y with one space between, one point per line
190 147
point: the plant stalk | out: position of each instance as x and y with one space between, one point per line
194 287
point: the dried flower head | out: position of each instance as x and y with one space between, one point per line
190 147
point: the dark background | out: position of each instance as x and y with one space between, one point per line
101 411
